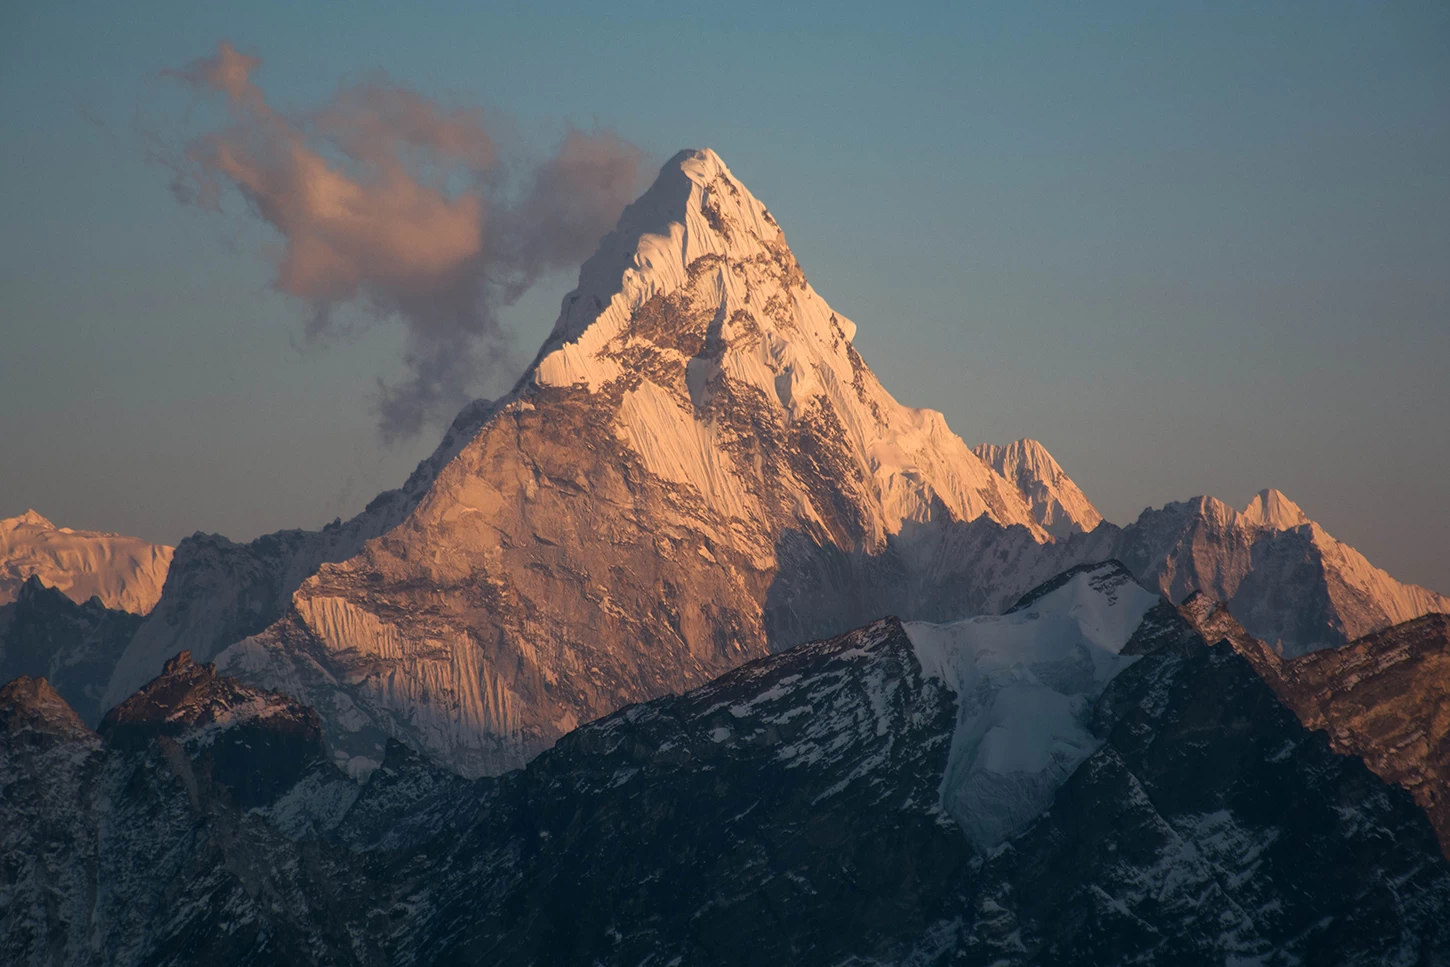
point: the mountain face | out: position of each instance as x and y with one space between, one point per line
44 634
126 573
1025 683
797 810
1284 578
1055 501
219 591
1384 697
139 848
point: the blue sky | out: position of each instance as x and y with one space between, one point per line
1193 248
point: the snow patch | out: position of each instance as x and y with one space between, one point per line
1025 684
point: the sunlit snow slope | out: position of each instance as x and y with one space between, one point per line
126 573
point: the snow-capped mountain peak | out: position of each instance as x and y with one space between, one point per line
1057 503
695 209
696 294
124 572
31 517
1270 508
696 447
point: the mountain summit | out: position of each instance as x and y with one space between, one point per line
1269 508
1056 502
124 572
698 469
694 312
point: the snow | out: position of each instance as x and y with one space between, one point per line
1025 684
1056 501
1269 508
126 573
775 335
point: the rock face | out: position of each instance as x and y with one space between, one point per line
1384 697
790 812
1056 502
43 634
1284 578
256 744
144 850
125 573
218 591
1212 827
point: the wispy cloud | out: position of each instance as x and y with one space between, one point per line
390 202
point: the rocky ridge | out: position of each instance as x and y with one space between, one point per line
1057 503
1384 697
75 647
794 810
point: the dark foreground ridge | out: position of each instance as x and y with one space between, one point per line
788 812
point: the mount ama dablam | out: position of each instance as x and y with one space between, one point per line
698 472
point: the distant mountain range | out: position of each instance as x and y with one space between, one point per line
1017 734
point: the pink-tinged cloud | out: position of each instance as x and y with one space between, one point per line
392 203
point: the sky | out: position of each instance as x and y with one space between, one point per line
1193 248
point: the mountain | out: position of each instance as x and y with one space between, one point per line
800 809
1283 576
151 842
219 591
126 573
1384 697
697 468
1025 683
44 634
1055 501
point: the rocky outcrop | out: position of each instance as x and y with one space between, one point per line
158 846
44 634
1384 698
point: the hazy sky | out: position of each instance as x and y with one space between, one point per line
1193 248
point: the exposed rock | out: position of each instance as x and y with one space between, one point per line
789 812
44 634
1384 697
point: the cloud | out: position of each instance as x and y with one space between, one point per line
389 202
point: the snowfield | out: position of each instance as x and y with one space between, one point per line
1025 684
